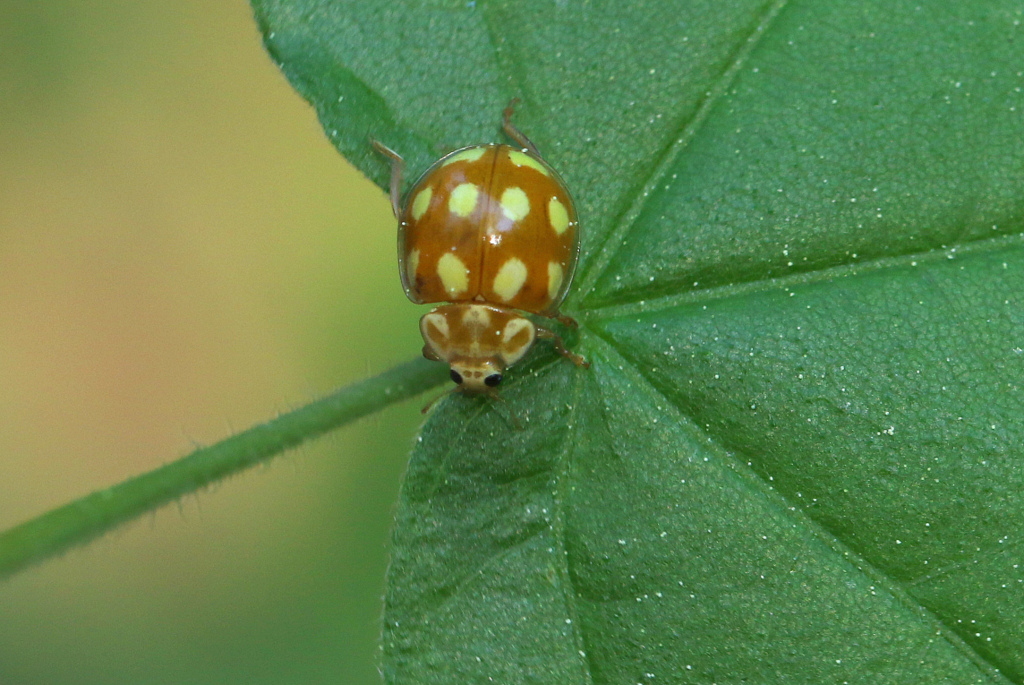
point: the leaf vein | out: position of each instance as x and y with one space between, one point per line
805 278
625 223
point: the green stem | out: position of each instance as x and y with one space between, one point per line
84 519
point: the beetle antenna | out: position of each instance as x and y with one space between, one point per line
508 414
437 399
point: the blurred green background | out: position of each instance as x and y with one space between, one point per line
183 254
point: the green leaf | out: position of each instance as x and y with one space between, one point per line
797 456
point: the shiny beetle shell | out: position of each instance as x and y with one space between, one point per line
489 224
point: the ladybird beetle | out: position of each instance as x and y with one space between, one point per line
491 231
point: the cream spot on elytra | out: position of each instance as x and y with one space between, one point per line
522 159
558 215
510 279
514 204
412 265
470 155
555 277
454 274
421 202
462 200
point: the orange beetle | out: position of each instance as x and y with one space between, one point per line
491 230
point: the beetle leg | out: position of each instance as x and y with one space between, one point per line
397 165
560 347
563 319
514 133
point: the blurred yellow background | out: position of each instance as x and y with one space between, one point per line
183 254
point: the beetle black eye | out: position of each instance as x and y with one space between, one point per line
456 377
492 380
